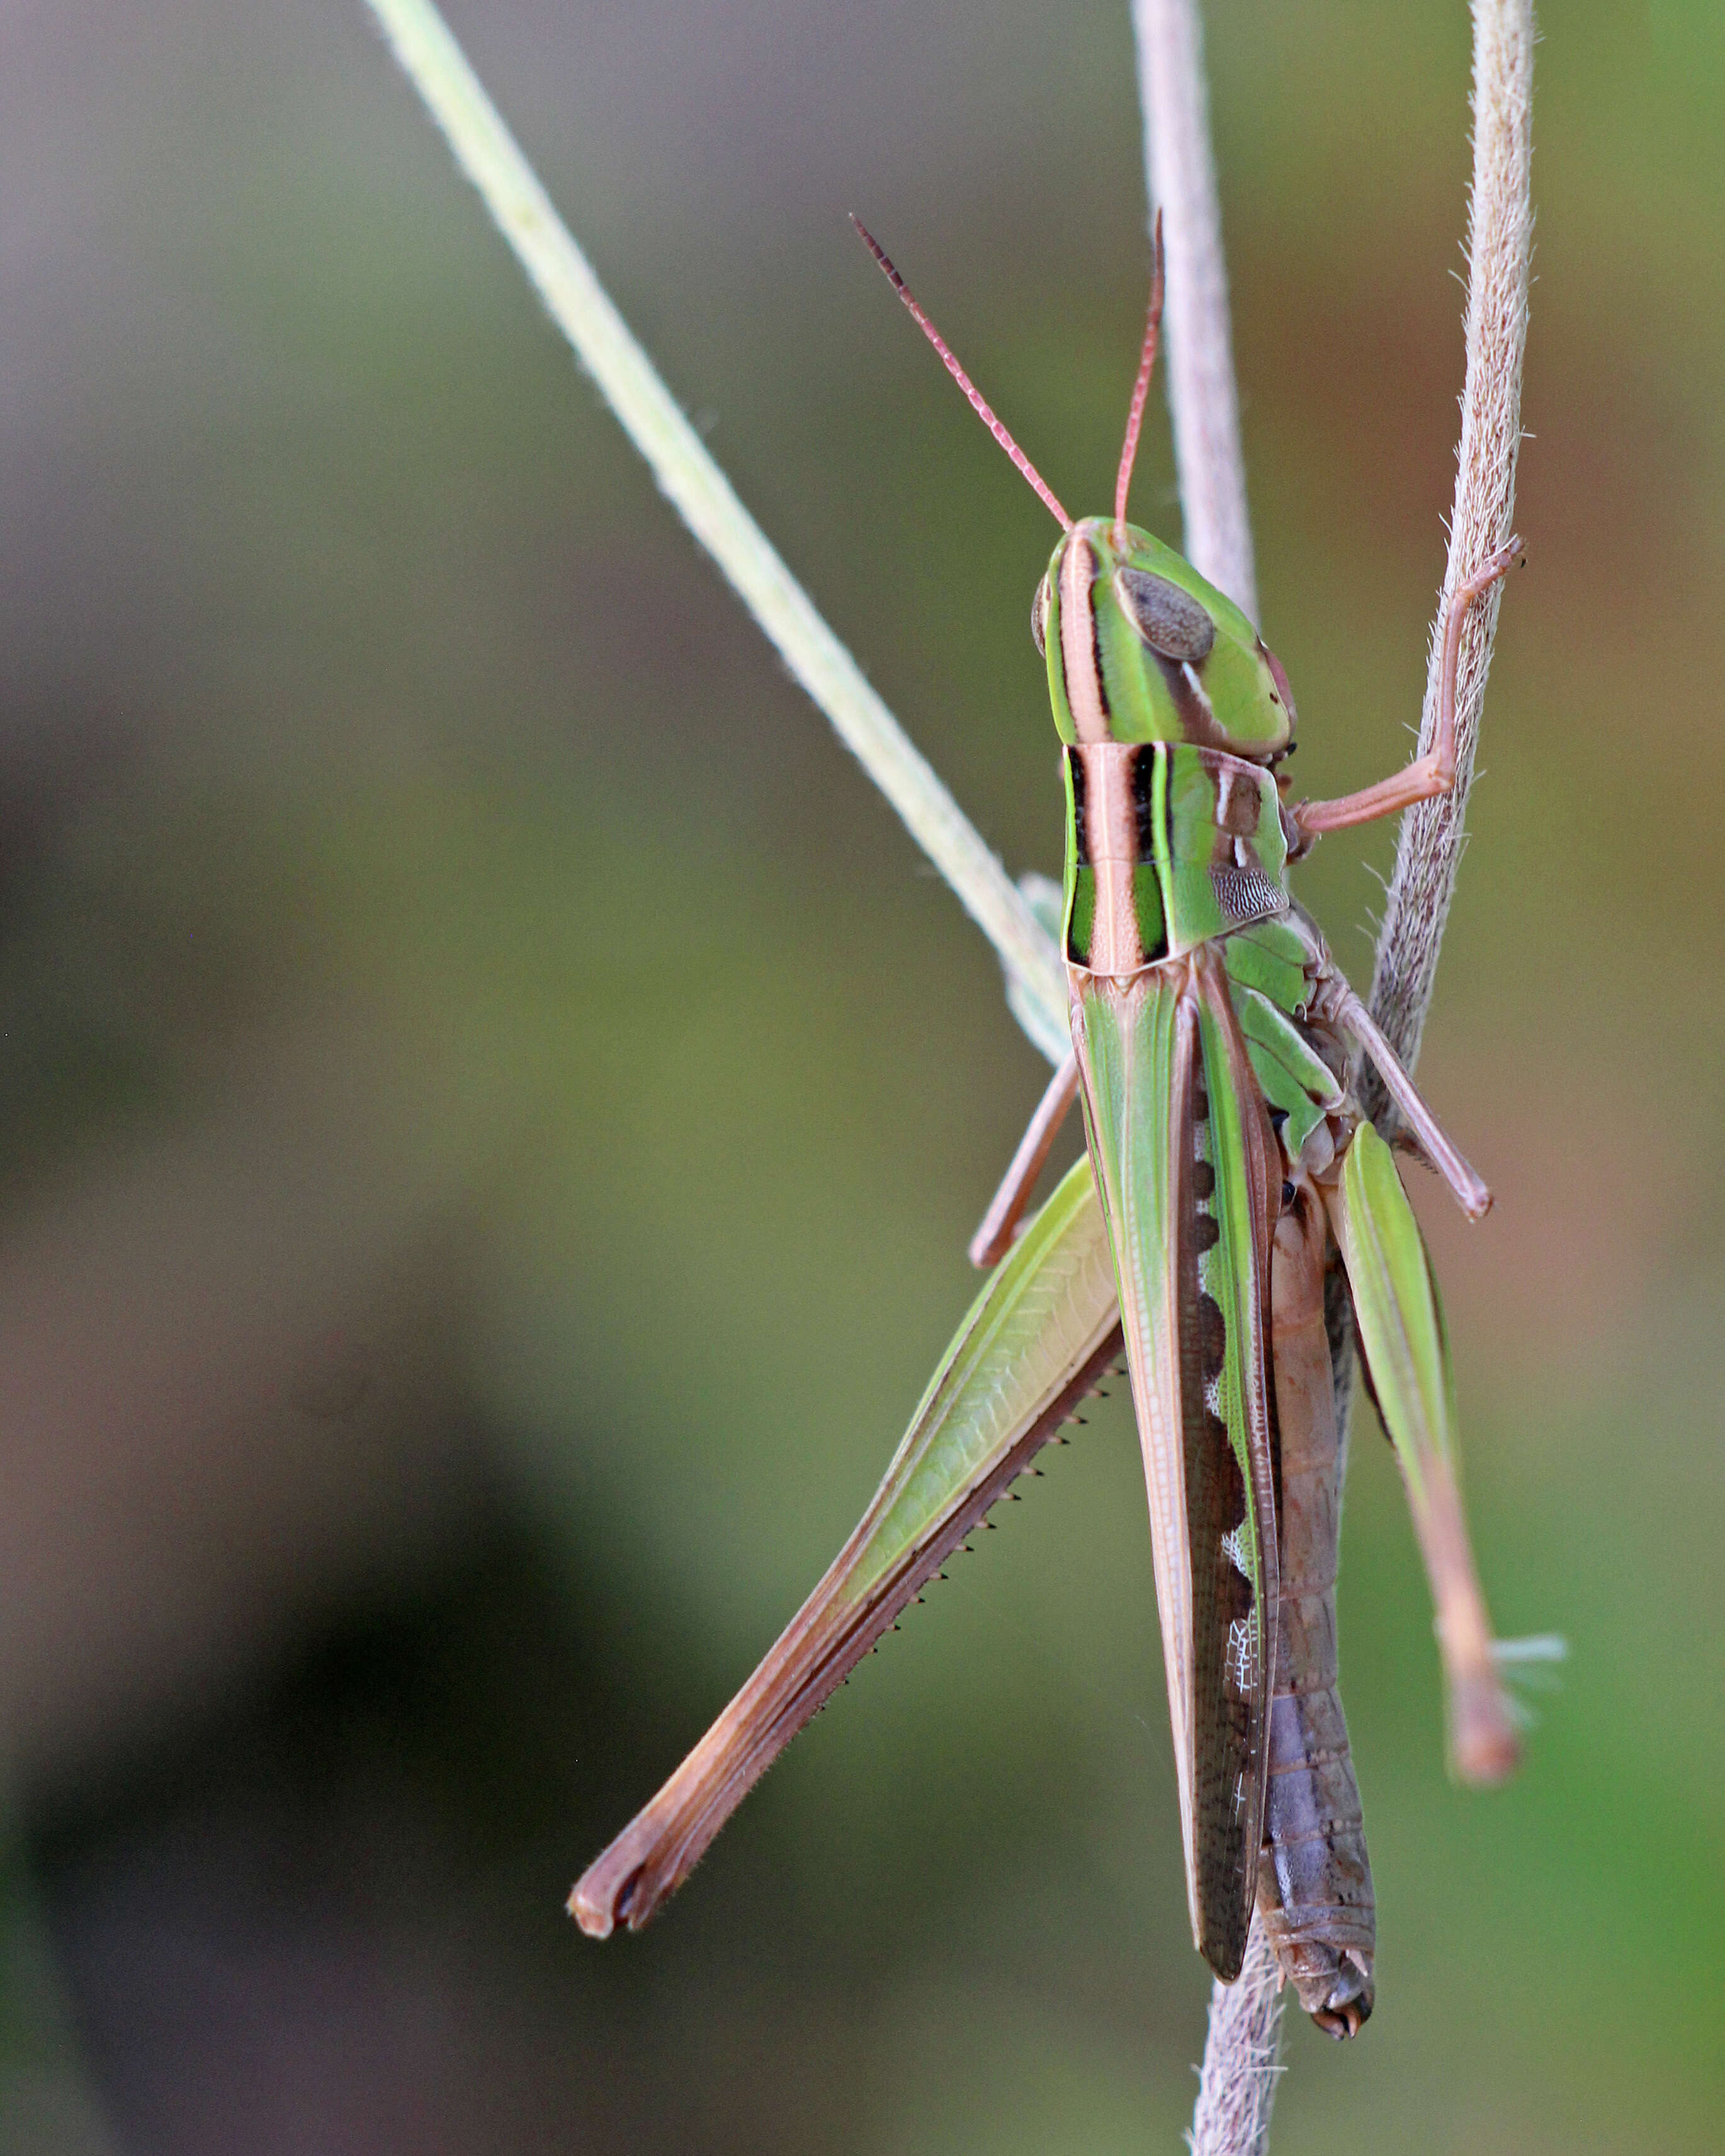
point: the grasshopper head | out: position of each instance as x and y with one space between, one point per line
1139 648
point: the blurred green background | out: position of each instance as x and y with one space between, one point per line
493 1104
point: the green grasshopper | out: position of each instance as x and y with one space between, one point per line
1229 1169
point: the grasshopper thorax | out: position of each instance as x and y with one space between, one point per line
1139 648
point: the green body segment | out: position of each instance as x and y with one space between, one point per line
1295 1078
1201 831
1271 957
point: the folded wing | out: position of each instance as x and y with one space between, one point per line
1182 1150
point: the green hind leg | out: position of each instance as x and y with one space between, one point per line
1407 1355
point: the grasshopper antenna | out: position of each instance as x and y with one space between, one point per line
979 403
1140 387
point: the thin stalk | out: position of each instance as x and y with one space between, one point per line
1231 2117
1499 248
1429 846
1238 2082
489 154
1181 174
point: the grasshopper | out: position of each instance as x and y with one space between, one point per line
1230 1170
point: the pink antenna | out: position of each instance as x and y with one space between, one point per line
1140 387
978 404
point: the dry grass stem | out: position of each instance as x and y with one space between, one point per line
1237 2086
577 302
1201 391
1499 248
1232 2115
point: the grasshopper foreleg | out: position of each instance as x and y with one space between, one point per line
1433 772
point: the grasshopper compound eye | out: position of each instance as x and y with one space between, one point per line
1169 620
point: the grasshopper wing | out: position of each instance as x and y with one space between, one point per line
1182 1149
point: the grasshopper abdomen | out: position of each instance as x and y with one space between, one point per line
1314 1877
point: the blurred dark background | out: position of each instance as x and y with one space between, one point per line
491 1104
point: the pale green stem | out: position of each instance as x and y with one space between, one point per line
489 154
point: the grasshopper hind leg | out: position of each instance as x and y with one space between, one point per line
1407 1356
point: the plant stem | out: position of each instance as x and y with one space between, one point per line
1238 2083
489 154
1182 178
1231 2117
1500 246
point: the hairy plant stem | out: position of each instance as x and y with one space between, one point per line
1237 2086
1499 248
